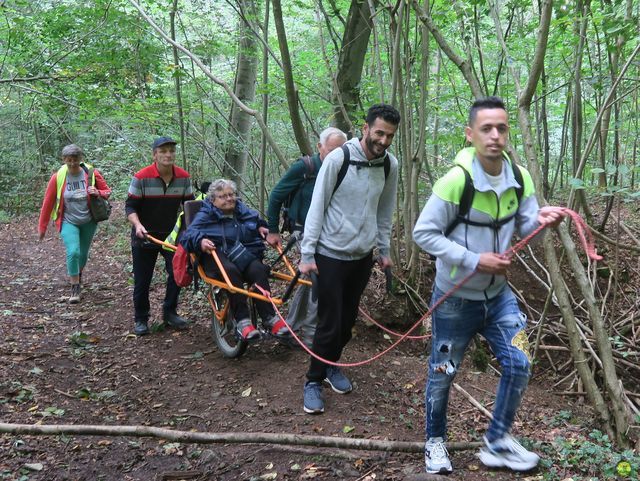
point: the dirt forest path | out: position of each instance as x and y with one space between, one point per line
63 364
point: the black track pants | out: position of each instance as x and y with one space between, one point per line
340 286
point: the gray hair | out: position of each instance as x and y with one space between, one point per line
72 150
219 185
330 132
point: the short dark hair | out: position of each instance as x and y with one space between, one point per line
484 103
387 112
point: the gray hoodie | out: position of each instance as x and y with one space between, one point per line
349 223
458 254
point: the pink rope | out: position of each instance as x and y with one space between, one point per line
586 240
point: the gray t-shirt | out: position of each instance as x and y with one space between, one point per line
76 206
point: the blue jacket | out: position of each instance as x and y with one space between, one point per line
212 224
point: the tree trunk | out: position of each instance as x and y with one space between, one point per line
543 134
241 105
576 105
614 52
376 50
612 383
292 93
245 89
355 43
337 99
178 83
420 158
265 104
464 65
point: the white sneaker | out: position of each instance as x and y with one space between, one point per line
509 453
75 294
436 457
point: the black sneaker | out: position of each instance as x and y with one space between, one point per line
75 294
141 328
172 319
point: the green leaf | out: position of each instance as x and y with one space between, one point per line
52 411
84 393
79 338
576 183
347 429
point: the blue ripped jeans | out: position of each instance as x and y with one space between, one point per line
454 323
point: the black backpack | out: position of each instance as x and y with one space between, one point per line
466 199
288 224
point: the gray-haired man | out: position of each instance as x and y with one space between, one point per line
299 181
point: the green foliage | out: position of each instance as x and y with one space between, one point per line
17 392
480 357
52 411
79 339
561 418
4 217
590 458
88 394
105 80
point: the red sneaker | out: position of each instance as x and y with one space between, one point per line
247 331
278 328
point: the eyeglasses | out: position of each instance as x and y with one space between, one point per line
229 195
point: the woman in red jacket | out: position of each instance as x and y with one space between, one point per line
66 202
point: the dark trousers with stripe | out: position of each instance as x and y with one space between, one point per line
255 273
340 287
144 262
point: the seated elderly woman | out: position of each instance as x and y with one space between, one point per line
237 233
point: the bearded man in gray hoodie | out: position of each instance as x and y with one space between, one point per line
351 212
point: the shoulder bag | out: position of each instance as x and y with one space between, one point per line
99 206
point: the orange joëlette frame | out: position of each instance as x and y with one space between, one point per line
227 284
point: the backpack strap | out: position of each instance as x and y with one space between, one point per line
387 166
343 169
89 171
517 174
466 199
359 163
311 168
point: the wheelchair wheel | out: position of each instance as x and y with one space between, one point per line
223 325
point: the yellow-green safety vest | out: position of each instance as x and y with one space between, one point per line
61 175
172 238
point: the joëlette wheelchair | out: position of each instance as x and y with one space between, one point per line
223 323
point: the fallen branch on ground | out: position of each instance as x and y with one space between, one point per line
473 401
226 438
